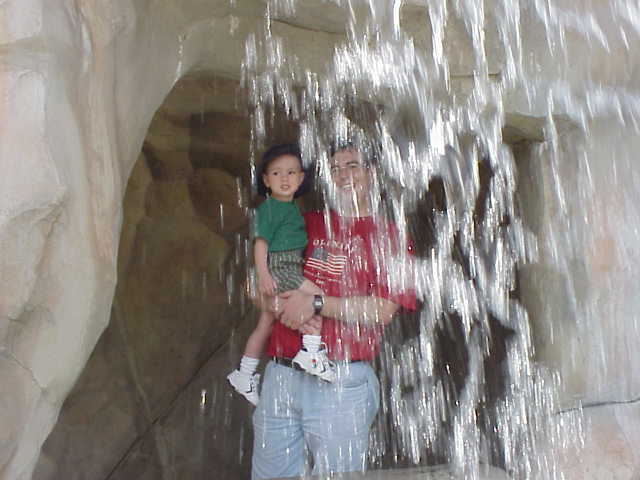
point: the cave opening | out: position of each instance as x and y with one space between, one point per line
153 397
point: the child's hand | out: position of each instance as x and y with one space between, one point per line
266 284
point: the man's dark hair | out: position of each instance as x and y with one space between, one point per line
369 151
272 154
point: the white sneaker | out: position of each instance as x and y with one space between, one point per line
317 364
246 385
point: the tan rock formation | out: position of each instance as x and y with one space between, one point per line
80 83
170 315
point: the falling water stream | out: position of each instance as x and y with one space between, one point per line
454 186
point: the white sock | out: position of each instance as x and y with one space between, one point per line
311 343
248 365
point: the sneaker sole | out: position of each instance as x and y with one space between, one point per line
241 394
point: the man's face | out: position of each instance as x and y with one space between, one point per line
350 176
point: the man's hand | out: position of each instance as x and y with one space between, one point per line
297 309
312 327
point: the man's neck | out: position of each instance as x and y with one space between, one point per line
355 209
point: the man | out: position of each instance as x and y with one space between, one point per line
348 258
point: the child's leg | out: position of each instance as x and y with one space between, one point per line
258 338
256 343
311 340
313 357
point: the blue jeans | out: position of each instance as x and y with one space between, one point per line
299 414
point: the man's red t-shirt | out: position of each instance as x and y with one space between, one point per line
349 259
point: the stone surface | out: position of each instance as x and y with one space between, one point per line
20 393
26 20
169 316
80 86
585 301
220 140
610 450
32 188
105 400
217 197
206 432
135 200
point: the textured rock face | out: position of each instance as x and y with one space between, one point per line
170 316
80 84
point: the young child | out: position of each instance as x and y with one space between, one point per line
280 239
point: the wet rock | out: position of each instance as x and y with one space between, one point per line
135 211
32 189
79 88
169 316
217 197
19 398
611 445
169 199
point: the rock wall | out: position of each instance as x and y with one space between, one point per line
80 84
172 316
76 131
583 305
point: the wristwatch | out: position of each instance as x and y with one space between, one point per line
318 303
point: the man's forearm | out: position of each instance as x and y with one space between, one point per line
364 310
298 308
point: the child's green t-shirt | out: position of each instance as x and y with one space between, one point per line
281 225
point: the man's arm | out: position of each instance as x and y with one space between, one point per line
297 309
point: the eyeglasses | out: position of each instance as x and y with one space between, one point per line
350 166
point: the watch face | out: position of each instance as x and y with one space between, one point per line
318 302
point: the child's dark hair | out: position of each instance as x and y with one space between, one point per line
272 154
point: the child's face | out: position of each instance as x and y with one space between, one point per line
283 176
